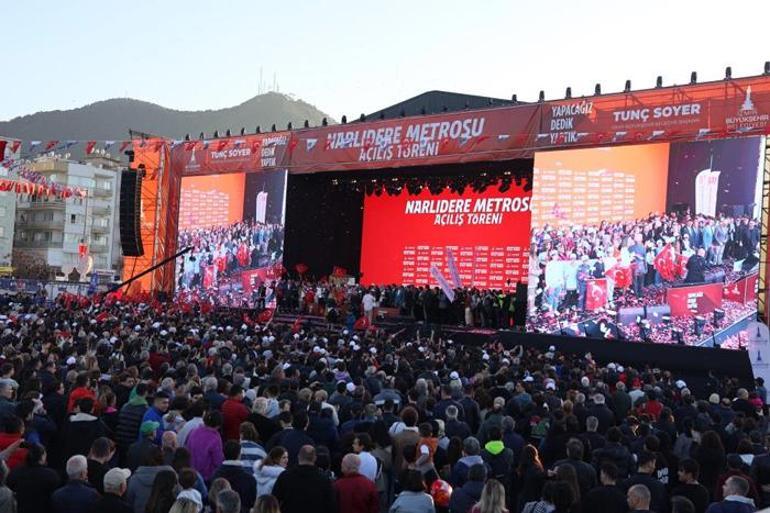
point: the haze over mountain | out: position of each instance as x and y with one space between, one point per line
111 119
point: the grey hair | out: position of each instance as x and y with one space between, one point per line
76 466
228 501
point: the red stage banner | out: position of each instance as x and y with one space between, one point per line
232 155
714 109
695 299
743 290
253 278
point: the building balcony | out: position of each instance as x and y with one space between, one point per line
98 248
36 244
100 210
98 228
50 166
51 225
41 205
101 192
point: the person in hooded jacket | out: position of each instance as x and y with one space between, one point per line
269 468
141 481
498 457
468 494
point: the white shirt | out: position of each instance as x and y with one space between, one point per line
368 301
368 466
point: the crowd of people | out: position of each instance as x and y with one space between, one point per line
624 253
220 253
123 406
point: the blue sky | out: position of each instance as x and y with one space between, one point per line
348 57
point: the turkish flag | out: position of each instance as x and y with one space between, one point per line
208 276
680 267
15 146
265 316
664 263
3 144
51 145
596 294
361 324
297 326
621 275
90 145
244 255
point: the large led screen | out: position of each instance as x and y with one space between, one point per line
234 224
485 233
654 242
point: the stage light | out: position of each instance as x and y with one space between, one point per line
627 89
514 99
568 93
444 108
423 111
273 127
659 82
698 323
216 134
186 137
324 122
227 134
541 96
344 119
382 115
467 106
307 124
677 335
728 73
597 89
243 131
694 77
362 117
719 315
288 125
201 136
767 67
402 113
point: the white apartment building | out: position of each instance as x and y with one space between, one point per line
7 210
52 228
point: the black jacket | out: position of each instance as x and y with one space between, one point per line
33 487
606 499
586 474
74 497
129 420
617 454
465 497
241 482
304 488
111 503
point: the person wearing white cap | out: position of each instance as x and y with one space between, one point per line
114 489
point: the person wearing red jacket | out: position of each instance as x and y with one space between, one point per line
234 412
82 390
355 493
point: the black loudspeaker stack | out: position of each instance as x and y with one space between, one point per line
130 210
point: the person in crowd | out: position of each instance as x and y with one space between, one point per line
412 498
141 483
638 497
228 501
163 492
465 497
137 452
317 492
251 450
217 486
241 481
471 456
735 500
354 492
492 498
114 486
268 469
645 475
101 453
607 497
205 445
77 495
33 483
266 504
234 412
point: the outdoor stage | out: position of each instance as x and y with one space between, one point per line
598 203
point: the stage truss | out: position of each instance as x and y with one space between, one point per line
762 293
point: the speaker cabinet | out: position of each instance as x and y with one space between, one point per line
130 210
